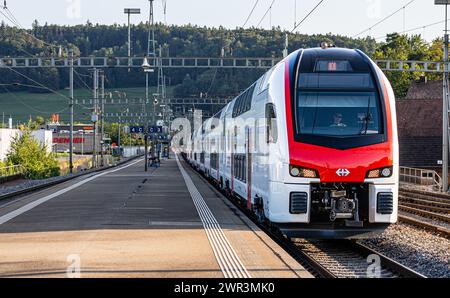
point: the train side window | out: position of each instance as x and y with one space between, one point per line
244 102
259 83
271 124
241 103
234 112
248 104
265 83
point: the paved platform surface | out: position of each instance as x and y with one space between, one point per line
127 223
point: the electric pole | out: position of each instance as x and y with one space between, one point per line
102 96
71 112
445 106
118 137
95 118
445 110
150 40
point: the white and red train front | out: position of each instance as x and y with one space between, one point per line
323 162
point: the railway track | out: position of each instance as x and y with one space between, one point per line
426 210
330 258
433 202
432 215
349 259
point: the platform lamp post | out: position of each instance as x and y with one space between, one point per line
129 12
119 131
94 119
445 107
154 136
71 104
147 69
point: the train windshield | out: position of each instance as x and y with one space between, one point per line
338 105
338 113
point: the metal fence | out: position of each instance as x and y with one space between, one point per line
421 177
11 171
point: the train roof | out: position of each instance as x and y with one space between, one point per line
356 60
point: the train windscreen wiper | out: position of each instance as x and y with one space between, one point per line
367 118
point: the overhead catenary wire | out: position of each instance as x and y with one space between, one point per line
11 18
6 16
307 16
384 19
265 14
6 8
20 49
414 29
81 80
42 85
28 54
251 13
32 80
29 106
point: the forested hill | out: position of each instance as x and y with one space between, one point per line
187 41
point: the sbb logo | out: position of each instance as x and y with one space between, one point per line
343 172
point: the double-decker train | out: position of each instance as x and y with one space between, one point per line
311 147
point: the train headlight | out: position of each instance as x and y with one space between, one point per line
386 172
295 171
380 173
303 172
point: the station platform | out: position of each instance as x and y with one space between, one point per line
125 222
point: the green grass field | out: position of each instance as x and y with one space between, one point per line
21 105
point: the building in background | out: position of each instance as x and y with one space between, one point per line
6 137
83 138
419 118
44 137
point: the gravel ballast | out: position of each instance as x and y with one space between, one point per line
4 190
420 250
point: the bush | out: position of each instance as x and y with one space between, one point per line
5 170
33 157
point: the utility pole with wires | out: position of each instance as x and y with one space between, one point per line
102 116
95 118
151 52
71 102
445 106
161 79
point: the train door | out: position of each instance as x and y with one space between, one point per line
233 150
222 151
248 140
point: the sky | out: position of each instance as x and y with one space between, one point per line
344 17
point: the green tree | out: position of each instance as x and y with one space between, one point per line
112 129
412 48
27 152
